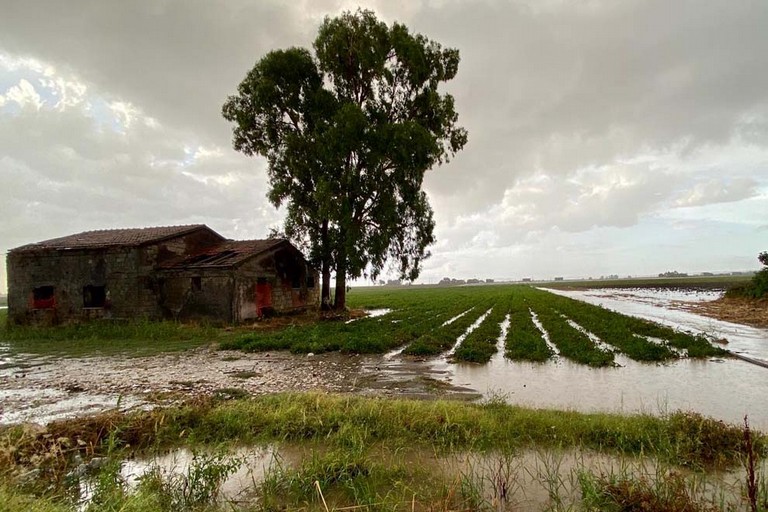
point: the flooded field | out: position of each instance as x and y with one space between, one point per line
724 388
664 306
532 348
518 480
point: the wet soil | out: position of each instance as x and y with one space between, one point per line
738 310
43 388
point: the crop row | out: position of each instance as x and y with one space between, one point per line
482 343
418 322
524 340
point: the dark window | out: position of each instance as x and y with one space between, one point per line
197 283
261 280
296 281
42 297
94 296
310 281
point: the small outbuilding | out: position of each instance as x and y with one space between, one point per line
180 272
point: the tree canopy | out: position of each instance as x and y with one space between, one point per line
348 134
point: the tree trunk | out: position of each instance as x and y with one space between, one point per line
325 291
340 297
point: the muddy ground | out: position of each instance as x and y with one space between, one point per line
42 388
736 310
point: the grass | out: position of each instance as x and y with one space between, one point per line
103 337
418 315
359 452
415 322
693 282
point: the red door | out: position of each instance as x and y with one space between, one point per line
263 297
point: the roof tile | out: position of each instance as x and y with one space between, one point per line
104 238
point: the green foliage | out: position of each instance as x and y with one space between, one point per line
418 314
197 488
481 344
139 337
348 134
757 288
571 342
524 341
444 337
626 493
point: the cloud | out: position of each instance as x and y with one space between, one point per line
718 191
588 122
23 95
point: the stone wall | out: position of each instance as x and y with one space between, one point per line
68 273
127 275
205 294
128 284
285 296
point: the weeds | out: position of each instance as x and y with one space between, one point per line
375 453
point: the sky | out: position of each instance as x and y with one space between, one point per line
605 137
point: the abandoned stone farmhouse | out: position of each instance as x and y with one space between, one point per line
179 272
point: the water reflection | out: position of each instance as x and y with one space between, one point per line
750 341
727 389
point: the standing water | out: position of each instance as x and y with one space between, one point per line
726 389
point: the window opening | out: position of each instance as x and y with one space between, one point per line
310 281
197 283
42 297
94 296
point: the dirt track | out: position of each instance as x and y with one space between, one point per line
736 310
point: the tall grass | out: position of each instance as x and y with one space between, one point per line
359 456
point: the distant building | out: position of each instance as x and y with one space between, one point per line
489 281
177 272
526 279
394 282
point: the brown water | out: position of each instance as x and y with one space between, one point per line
726 389
524 480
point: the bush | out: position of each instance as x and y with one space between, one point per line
758 287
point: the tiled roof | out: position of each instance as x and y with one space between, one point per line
111 238
226 254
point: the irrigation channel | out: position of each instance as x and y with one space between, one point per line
721 387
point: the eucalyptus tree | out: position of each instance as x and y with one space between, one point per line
348 133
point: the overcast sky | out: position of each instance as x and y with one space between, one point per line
605 137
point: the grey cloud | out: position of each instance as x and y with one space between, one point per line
721 190
574 93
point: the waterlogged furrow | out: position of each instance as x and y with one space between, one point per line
619 331
524 341
443 338
571 343
480 345
418 315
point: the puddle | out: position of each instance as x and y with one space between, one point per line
528 479
251 463
371 313
453 319
502 340
727 390
45 405
600 344
544 334
742 339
